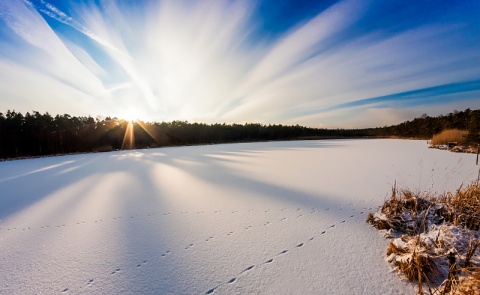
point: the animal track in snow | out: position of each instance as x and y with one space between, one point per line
115 271
134 216
285 251
248 268
267 262
143 262
211 291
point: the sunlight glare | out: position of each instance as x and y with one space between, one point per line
129 139
131 115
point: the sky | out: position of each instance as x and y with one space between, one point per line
327 64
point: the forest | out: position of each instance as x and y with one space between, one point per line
35 134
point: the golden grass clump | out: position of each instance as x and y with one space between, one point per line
404 212
463 207
469 285
449 135
418 267
435 240
413 261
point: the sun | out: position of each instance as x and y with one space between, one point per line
134 118
131 115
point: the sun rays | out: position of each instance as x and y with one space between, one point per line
129 137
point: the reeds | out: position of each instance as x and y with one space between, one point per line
472 248
463 207
468 285
435 239
449 135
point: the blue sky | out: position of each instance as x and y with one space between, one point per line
353 63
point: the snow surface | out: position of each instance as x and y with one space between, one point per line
250 218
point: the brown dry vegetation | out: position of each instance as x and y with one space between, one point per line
449 135
435 239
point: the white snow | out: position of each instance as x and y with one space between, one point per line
250 218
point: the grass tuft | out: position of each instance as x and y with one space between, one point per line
435 240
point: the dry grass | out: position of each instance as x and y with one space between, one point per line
416 261
405 211
449 135
416 265
471 250
438 238
463 206
470 285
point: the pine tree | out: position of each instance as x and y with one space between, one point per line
473 128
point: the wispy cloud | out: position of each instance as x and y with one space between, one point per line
35 61
208 61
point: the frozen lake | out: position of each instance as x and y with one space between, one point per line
250 218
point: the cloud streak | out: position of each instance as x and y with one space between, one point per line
212 61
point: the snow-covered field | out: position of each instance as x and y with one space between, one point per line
253 218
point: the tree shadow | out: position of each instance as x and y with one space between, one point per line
32 182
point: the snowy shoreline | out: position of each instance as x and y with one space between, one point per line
307 138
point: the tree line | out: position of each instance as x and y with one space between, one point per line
425 126
36 134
